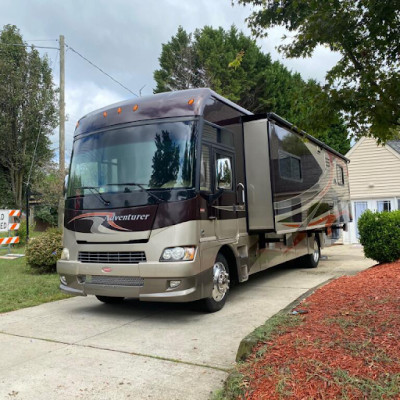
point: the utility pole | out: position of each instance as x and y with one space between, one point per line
62 104
62 126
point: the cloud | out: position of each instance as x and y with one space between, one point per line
124 38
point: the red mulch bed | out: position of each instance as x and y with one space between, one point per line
347 347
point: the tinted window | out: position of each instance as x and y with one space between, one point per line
155 156
289 166
205 170
339 175
217 135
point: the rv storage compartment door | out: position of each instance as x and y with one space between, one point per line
260 214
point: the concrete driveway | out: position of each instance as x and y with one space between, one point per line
81 349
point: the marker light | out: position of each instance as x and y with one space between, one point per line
105 114
190 102
178 253
135 107
119 110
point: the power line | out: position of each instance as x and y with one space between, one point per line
41 40
105 73
27 45
76 52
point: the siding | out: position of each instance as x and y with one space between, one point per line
374 171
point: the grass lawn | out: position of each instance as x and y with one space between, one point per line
20 287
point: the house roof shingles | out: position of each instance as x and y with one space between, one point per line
395 145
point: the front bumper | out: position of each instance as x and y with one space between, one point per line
78 280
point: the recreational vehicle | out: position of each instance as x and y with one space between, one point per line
175 196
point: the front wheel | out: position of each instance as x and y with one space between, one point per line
312 260
220 289
110 300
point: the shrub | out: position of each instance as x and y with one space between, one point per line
42 252
380 235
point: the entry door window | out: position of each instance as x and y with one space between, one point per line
359 208
384 205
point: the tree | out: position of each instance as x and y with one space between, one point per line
232 64
365 83
28 112
49 186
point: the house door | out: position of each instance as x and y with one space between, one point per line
359 208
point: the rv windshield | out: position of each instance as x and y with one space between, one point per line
150 158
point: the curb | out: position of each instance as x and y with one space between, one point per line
251 340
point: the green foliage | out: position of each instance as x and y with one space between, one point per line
43 251
22 232
28 111
232 64
365 82
380 235
47 214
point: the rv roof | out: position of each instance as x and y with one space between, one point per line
182 103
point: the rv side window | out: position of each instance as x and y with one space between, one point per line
217 135
205 176
224 172
289 166
339 175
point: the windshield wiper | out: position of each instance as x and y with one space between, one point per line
95 190
139 185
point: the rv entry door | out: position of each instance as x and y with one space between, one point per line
226 223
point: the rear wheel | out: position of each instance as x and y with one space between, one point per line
220 289
312 260
110 300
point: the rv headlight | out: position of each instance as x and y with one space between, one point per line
178 253
65 254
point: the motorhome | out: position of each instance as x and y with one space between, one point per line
175 196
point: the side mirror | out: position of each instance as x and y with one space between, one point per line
66 179
224 173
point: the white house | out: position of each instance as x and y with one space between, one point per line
374 175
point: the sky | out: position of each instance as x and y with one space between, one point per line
124 38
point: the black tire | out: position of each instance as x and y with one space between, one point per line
110 300
312 260
220 291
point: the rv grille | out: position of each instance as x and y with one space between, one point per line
117 257
114 280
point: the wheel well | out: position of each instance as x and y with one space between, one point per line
227 252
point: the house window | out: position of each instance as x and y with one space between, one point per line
289 166
398 204
384 205
339 175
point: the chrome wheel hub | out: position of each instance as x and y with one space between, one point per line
220 281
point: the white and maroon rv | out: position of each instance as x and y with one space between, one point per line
175 196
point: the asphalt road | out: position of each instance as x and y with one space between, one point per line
80 348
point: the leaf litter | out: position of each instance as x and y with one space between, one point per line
346 347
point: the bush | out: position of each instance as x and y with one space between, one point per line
42 252
380 235
47 214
